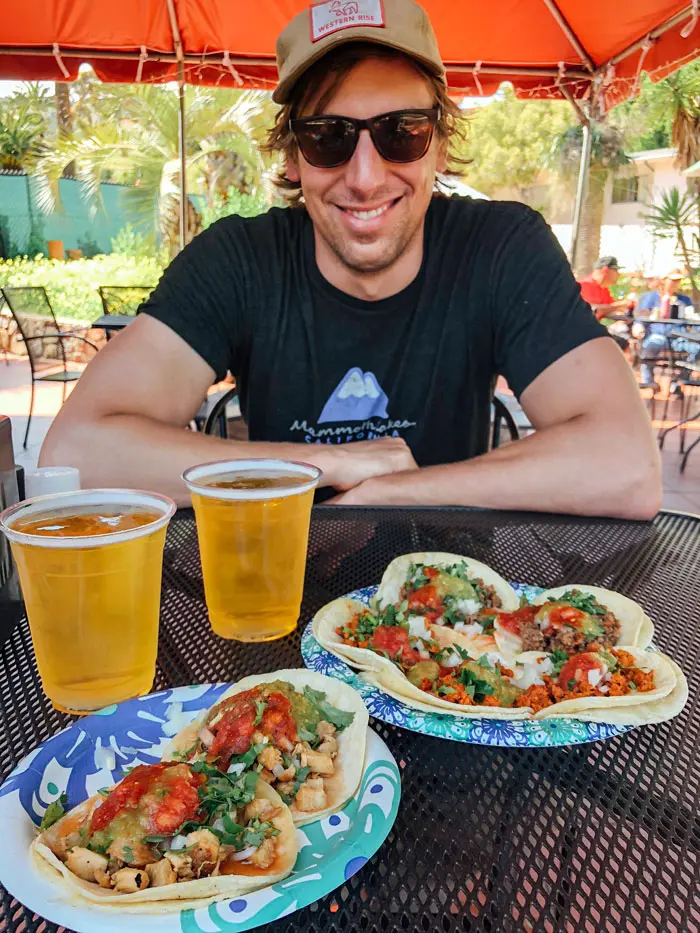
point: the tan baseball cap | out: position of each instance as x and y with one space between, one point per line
321 27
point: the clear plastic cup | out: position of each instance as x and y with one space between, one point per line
92 600
253 544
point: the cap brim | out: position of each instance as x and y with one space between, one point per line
281 93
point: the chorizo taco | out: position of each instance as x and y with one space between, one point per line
570 618
302 732
447 589
170 836
540 685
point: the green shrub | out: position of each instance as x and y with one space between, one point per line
72 286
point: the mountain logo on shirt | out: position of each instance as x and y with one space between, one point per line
357 397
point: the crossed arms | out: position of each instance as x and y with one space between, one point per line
593 452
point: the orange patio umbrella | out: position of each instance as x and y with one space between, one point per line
590 52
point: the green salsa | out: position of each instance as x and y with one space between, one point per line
304 712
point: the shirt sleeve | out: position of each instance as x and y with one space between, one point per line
538 312
201 295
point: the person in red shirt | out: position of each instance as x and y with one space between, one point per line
595 287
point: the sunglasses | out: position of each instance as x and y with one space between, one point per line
399 136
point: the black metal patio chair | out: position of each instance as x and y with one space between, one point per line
123 299
216 422
47 351
501 417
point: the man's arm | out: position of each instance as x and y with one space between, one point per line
124 423
602 311
593 452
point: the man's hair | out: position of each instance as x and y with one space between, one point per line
330 72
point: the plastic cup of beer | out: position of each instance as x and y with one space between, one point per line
90 566
253 527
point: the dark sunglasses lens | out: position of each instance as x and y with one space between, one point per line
326 143
403 137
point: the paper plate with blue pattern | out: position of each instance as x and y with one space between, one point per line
94 752
502 732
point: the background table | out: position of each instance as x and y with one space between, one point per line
600 837
110 322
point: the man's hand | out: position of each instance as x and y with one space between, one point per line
351 464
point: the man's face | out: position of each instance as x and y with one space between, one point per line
368 211
610 276
670 286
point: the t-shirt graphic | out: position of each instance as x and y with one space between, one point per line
357 397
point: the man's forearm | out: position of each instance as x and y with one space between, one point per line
135 452
577 467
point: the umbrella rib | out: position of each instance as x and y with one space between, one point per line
563 24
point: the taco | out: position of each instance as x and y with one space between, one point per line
540 684
447 589
169 836
570 618
302 732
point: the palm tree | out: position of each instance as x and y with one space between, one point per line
607 154
140 143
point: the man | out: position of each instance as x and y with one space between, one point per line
595 287
661 297
375 313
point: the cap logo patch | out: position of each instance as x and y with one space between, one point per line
343 14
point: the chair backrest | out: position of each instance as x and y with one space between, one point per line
26 304
502 416
123 299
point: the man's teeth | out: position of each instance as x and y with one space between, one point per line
366 215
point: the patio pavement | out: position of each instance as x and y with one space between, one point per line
681 491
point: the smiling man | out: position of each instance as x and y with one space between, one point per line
366 324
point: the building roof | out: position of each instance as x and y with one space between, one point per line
652 155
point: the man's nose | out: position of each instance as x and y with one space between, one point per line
366 170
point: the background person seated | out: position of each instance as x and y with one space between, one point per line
655 341
595 288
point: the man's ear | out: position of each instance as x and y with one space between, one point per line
292 169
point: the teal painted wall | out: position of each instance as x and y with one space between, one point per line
75 222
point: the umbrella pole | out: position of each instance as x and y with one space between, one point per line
182 152
584 168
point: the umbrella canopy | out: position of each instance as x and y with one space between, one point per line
546 48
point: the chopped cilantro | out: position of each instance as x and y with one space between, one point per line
586 602
104 791
483 661
462 652
570 684
558 659
475 686
337 717
259 710
452 616
305 735
416 577
54 812
128 854
445 690
632 685
523 601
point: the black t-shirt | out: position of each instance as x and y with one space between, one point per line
494 295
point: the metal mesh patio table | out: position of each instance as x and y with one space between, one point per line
596 837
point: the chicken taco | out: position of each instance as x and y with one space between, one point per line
170 836
447 589
570 618
302 732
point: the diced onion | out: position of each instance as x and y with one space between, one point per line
452 660
594 677
468 606
179 842
416 626
604 688
236 768
424 655
207 736
243 854
218 824
278 769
